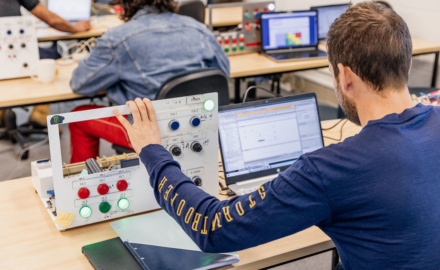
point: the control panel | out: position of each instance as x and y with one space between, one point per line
110 187
247 38
18 47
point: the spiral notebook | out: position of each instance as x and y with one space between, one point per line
156 241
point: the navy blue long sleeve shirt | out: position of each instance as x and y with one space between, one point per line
377 195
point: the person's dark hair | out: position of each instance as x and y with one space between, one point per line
132 6
374 41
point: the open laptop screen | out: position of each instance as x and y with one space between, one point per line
289 30
326 16
264 137
71 10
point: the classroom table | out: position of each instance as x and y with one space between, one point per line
100 24
257 64
26 92
31 241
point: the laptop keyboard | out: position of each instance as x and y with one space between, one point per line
243 191
298 55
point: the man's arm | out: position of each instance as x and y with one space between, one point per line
97 72
55 21
295 200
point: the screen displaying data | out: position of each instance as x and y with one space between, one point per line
78 10
268 136
285 30
326 16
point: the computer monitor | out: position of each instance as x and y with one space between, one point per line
71 10
281 30
265 137
326 16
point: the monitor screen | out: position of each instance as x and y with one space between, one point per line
78 10
326 16
268 136
286 30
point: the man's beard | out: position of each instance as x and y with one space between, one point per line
348 106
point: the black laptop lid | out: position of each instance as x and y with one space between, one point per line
265 137
289 30
326 16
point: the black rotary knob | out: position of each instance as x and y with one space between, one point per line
25 65
11 46
196 147
197 181
176 151
23 45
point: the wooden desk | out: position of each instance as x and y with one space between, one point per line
29 239
25 91
22 92
255 64
100 25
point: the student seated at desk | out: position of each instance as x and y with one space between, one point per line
376 194
135 60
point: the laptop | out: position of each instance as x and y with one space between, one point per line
260 139
69 10
289 36
326 16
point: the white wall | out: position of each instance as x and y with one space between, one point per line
422 17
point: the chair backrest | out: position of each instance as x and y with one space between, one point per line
197 82
194 9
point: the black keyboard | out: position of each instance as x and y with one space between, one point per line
297 55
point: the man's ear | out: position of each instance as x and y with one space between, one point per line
345 78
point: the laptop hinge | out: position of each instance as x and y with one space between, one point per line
293 50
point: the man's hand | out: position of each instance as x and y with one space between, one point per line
144 130
82 26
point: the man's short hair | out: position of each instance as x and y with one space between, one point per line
374 41
132 6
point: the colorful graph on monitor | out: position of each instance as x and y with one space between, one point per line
293 39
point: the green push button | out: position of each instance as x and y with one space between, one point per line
241 48
248 15
104 207
123 203
226 50
234 49
85 211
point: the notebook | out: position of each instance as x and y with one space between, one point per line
157 241
260 139
326 16
289 36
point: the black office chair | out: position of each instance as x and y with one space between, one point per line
194 9
197 82
188 83
18 134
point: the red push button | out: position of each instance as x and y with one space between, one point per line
122 185
103 189
83 193
227 41
234 40
242 39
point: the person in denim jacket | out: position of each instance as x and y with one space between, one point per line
135 60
